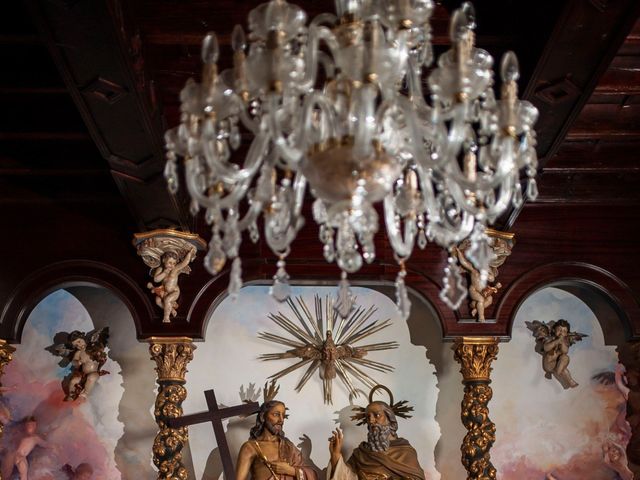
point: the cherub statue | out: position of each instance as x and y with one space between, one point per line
553 340
85 352
166 275
482 296
16 458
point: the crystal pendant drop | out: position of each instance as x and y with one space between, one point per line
345 301
480 252
215 259
280 290
235 278
453 291
532 189
517 196
402 297
254 233
171 175
422 240
194 208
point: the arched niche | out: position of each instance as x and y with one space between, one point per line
68 274
114 425
228 359
606 295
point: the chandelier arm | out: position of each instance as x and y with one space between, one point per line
228 201
289 154
251 215
416 95
316 34
249 123
312 100
402 247
365 120
229 172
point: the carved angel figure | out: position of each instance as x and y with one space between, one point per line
481 297
166 276
85 352
553 340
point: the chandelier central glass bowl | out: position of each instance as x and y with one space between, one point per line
338 104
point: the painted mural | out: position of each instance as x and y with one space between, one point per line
545 432
62 438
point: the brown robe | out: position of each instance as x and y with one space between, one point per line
399 461
287 452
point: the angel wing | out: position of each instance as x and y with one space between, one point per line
539 329
61 350
100 336
576 337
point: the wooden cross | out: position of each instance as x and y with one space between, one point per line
215 415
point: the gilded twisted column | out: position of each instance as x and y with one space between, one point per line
171 356
6 355
475 354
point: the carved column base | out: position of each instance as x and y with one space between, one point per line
171 356
6 355
475 355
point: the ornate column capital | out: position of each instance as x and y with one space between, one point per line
168 253
171 354
475 354
6 355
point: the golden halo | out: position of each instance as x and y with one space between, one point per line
386 389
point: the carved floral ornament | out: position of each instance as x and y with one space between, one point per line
171 356
475 355
6 355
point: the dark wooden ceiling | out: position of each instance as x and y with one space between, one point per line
88 88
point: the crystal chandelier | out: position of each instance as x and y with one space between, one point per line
338 104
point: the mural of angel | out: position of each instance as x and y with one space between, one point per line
85 352
553 340
16 458
325 342
84 471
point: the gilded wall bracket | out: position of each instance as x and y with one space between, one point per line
475 354
172 355
168 253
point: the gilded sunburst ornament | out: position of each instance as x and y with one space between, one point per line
325 341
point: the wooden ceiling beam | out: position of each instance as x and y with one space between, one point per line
97 50
585 39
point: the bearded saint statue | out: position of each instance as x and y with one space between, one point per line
269 454
384 455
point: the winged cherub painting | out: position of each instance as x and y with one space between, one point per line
553 340
326 342
85 353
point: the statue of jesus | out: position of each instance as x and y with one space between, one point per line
268 454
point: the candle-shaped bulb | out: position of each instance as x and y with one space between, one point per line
238 39
509 70
470 12
459 26
210 49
